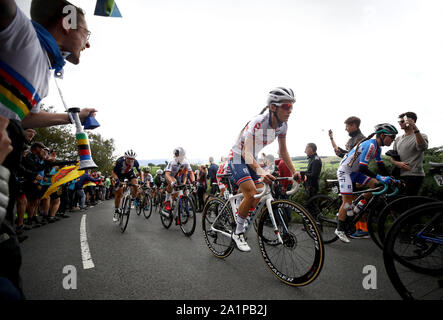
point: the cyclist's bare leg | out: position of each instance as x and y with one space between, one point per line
346 204
118 195
249 190
134 188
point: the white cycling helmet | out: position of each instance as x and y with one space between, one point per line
179 154
159 172
130 154
280 94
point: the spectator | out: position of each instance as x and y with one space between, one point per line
8 290
79 188
34 162
5 149
201 176
24 59
212 173
21 196
223 169
72 194
312 175
64 201
410 148
108 188
353 128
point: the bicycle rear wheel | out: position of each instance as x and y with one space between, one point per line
299 259
413 252
146 206
324 209
124 214
218 224
186 216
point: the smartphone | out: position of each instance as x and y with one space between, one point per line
405 118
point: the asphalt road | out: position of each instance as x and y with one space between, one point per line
150 262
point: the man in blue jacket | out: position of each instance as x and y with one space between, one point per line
79 188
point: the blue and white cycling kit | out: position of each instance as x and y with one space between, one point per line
347 174
124 170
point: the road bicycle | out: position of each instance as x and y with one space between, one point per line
125 205
413 251
144 204
288 238
159 198
325 209
394 209
183 211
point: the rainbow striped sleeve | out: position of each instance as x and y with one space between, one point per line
16 93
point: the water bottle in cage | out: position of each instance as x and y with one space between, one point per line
359 206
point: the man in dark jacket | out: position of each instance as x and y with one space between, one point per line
312 174
212 173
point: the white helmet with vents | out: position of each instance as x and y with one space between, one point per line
281 94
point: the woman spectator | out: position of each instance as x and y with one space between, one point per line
201 178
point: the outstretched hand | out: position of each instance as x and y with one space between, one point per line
85 112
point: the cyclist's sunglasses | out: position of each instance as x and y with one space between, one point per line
284 106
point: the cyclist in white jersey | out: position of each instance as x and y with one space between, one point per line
176 172
354 169
258 133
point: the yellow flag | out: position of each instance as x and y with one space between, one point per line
89 184
62 176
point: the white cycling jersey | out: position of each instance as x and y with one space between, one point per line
178 169
261 131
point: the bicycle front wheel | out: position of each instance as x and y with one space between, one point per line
125 212
218 224
394 210
186 215
299 259
138 208
324 209
146 206
413 253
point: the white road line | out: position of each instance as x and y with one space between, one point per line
86 255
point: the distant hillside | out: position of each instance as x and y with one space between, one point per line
145 163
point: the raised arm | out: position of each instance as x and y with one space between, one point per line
47 119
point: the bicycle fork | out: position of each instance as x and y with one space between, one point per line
274 223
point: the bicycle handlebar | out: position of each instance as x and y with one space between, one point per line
293 190
377 193
394 193
385 189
